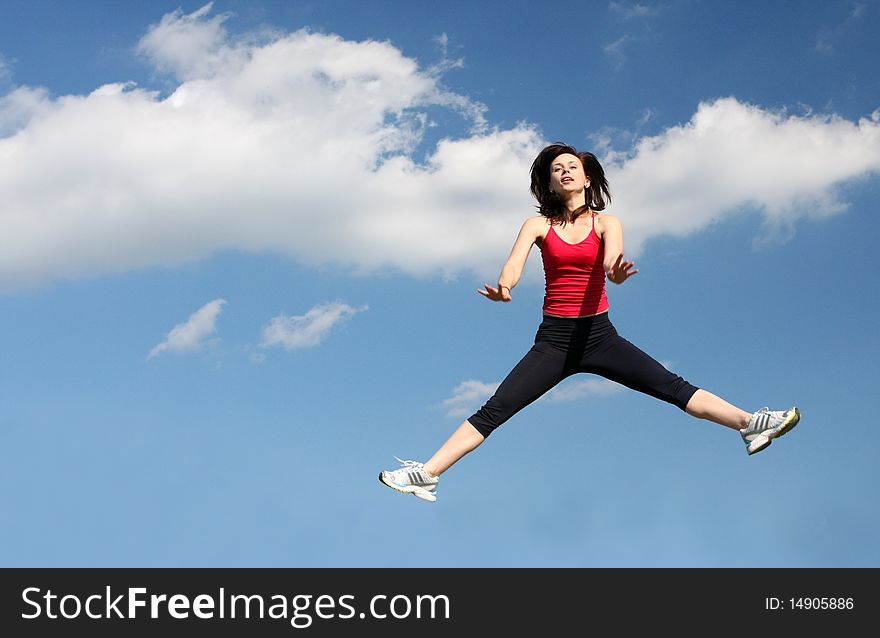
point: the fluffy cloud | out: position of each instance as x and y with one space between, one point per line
268 146
468 396
574 389
190 335
308 330
275 142
731 155
192 46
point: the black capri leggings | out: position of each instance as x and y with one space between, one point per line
565 346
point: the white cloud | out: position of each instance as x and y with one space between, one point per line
192 46
615 52
308 330
190 335
629 11
468 396
442 41
731 155
256 146
19 106
265 140
574 389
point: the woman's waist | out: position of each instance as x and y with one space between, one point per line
595 315
567 332
573 290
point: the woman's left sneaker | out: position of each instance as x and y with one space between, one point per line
766 425
411 479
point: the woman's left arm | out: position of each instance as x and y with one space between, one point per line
616 268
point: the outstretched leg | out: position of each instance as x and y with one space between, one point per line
621 361
465 439
705 405
542 368
626 364
537 372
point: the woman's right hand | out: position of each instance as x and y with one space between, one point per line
501 293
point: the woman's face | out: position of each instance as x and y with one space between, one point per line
567 175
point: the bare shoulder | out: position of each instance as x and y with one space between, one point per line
535 226
605 221
602 218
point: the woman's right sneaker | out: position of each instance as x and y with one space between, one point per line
766 425
411 479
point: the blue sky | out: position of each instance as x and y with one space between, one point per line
239 251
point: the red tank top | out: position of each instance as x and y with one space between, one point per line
575 275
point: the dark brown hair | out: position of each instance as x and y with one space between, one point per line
550 204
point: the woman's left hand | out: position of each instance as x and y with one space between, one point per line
621 270
501 293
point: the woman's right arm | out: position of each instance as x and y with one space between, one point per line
531 230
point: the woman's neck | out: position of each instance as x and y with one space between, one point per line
575 201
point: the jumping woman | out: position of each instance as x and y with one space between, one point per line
580 247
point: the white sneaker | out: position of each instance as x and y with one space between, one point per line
765 425
411 479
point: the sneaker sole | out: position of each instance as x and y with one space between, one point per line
420 492
764 441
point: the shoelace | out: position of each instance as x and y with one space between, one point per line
410 465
